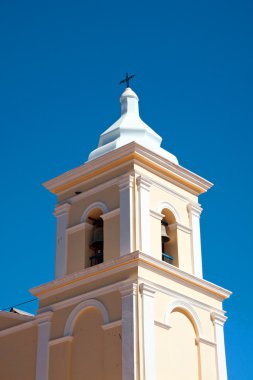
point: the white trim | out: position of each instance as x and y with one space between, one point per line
42 362
111 214
173 293
148 336
190 311
170 207
143 187
156 215
199 340
129 331
218 322
112 325
180 227
101 205
95 164
164 326
61 213
123 263
79 227
126 185
68 331
194 212
63 339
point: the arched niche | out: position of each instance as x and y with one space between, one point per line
179 356
169 230
92 216
87 348
68 331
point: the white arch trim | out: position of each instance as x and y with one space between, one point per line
91 207
179 304
171 208
78 309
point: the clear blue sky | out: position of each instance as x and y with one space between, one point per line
59 71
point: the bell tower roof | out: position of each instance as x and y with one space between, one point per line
128 128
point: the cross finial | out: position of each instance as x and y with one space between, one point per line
127 79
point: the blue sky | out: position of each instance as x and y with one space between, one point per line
59 71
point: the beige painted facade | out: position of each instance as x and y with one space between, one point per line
133 316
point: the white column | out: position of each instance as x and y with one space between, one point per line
194 215
44 325
218 322
62 215
129 320
126 214
148 331
143 186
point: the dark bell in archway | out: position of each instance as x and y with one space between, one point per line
97 238
165 236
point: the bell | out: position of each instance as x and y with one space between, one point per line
98 238
164 235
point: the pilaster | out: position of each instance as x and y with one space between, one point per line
129 340
218 322
62 215
148 324
126 214
44 326
143 187
194 216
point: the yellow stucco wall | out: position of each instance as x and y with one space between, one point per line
18 355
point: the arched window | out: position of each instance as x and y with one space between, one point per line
96 243
169 238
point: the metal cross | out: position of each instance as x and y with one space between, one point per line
127 79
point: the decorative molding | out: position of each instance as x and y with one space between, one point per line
128 289
101 205
162 325
180 304
111 214
147 290
112 325
173 293
63 339
126 181
89 295
218 319
143 183
156 215
79 227
194 209
169 206
179 227
79 308
199 340
16 316
131 151
61 209
44 317
123 263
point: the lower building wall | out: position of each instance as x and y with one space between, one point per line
18 355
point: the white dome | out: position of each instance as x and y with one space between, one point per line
128 128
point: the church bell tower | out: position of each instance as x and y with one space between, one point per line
129 300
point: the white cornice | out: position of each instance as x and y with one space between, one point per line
119 153
162 325
122 263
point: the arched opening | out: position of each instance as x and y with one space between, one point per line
95 254
169 238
